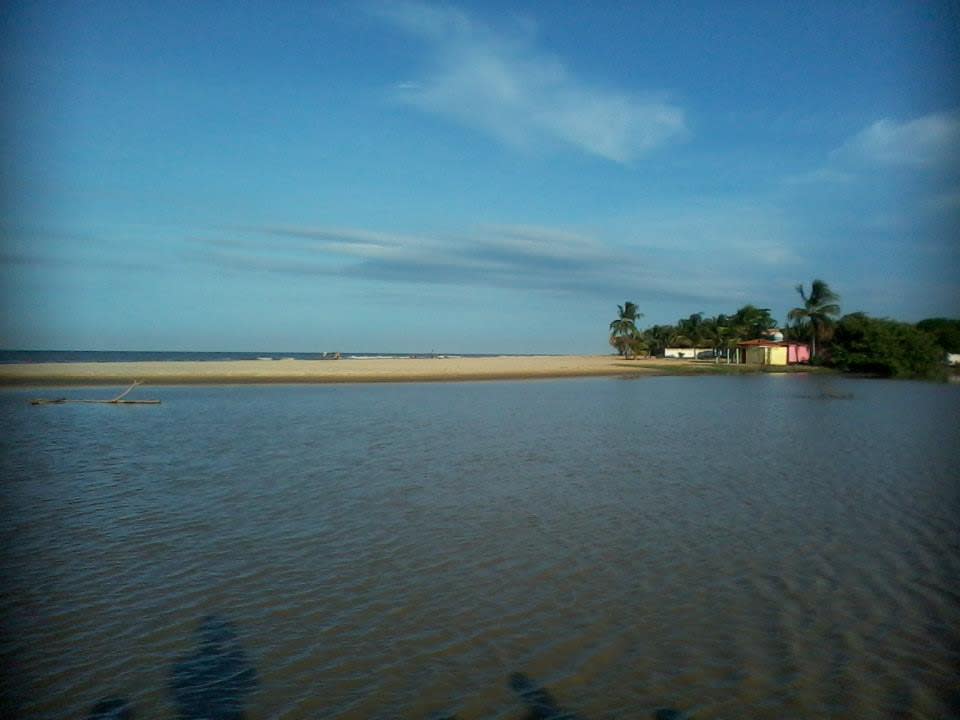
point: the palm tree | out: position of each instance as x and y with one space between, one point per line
623 330
752 322
819 311
691 329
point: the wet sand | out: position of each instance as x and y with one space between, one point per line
347 371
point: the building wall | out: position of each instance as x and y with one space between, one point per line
766 355
777 356
797 353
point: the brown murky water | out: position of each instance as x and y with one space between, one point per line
764 547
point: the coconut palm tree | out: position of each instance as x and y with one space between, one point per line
819 311
752 322
623 330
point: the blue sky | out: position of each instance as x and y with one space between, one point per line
467 177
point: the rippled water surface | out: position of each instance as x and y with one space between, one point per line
729 547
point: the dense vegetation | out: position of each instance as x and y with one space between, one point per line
855 342
695 331
945 332
881 346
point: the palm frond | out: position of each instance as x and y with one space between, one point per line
628 311
821 293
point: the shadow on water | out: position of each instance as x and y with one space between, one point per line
112 709
541 704
213 682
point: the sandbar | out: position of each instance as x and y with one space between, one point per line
347 370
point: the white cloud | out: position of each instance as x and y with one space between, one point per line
926 142
930 142
502 84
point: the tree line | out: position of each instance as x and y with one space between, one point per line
854 342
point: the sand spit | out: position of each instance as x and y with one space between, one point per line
351 371
321 371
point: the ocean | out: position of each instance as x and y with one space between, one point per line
753 546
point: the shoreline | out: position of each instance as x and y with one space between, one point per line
245 372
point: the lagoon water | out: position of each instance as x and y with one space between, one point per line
728 547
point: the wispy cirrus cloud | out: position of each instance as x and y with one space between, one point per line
85 263
690 257
501 256
500 82
819 176
947 201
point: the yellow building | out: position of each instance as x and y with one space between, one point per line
765 355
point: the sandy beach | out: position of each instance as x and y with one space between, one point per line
343 371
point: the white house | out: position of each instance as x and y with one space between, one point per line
680 353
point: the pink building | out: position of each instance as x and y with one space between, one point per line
797 352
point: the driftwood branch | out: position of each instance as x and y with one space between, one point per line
122 395
118 400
